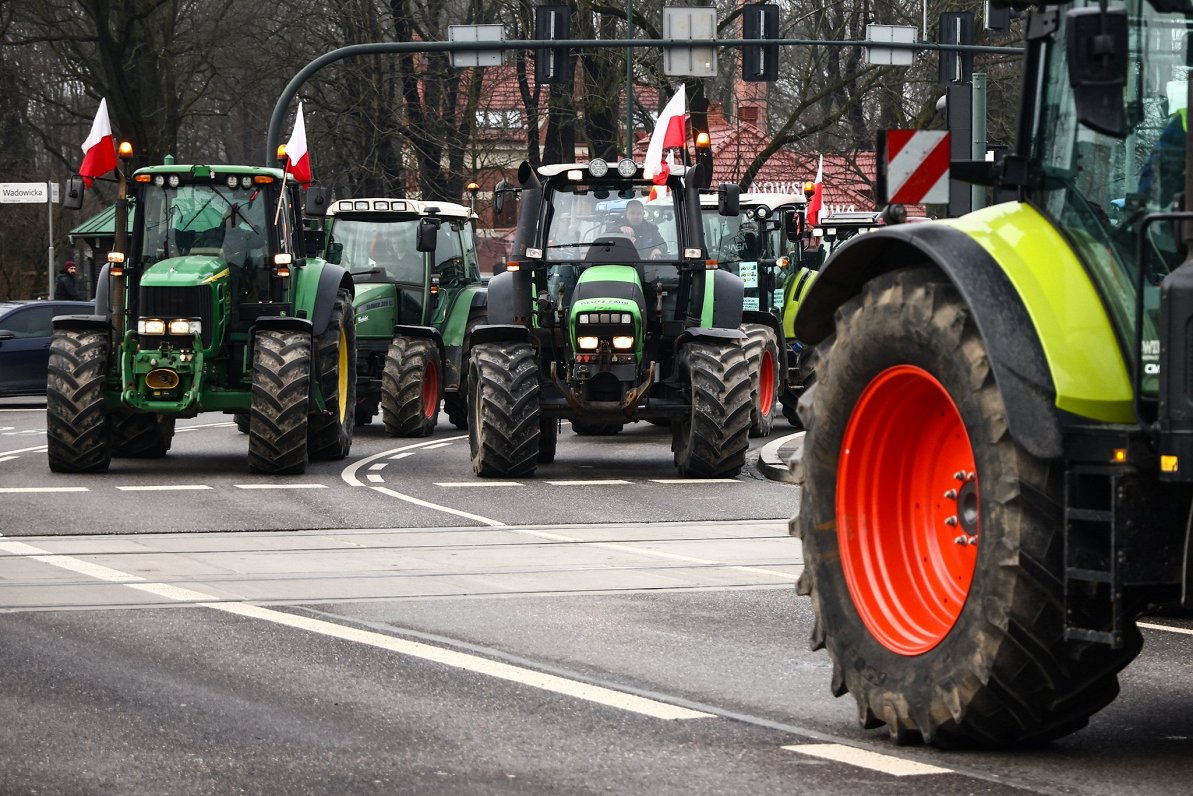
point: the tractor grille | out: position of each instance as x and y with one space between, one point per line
168 303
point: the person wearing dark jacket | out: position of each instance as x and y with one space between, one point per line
66 288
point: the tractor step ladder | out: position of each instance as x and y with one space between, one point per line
1093 555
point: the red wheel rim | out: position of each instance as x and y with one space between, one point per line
907 510
766 383
430 390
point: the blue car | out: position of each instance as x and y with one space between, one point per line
25 332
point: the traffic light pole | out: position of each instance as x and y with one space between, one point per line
278 118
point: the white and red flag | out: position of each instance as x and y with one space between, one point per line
99 150
669 133
816 202
298 159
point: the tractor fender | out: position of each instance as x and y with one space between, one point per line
717 298
772 323
480 299
508 298
500 333
281 323
98 322
1015 352
422 333
103 292
706 334
320 300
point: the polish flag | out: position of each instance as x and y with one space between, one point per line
817 200
99 150
668 133
297 158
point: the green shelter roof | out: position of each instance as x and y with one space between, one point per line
100 225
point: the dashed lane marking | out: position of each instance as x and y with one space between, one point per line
610 482
695 481
376 479
862 758
13 490
414 649
452 484
349 472
162 487
280 486
395 457
438 507
1182 630
437 445
8 458
378 466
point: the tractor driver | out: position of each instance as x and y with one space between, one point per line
643 234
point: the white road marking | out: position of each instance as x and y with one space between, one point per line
397 456
206 425
28 431
280 486
8 458
437 445
378 466
478 482
17 489
1183 630
694 481
839 753
162 487
349 472
376 479
611 482
447 509
414 649
25 450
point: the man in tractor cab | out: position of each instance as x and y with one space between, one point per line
643 234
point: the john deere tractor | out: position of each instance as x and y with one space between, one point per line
999 455
418 295
610 311
212 305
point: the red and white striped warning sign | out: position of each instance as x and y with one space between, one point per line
917 166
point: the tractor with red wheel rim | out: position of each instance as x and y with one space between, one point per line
997 472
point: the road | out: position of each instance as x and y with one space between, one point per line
388 623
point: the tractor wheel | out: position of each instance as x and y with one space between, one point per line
711 439
762 354
136 435
410 387
456 403
587 428
329 436
76 424
548 439
242 421
503 426
932 541
281 397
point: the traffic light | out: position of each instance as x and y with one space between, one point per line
552 65
760 62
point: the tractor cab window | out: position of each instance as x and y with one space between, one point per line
204 219
449 252
471 264
379 249
628 225
1098 188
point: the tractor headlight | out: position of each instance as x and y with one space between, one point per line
623 341
184 326
588 342
151 326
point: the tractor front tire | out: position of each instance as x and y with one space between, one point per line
76 423
242 420
456 403
711 439
329 436
410 387
548 439
762 354
281 396
932 541
137 435
504 423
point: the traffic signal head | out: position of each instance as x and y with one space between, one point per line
552 65
760 62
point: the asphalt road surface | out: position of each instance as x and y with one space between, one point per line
391 624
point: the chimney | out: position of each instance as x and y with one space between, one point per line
716 114
748 113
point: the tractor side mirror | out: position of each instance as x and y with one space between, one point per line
728 199
72 197
428 232
1097 49
335 253
793 225
318 197
499 195
312 241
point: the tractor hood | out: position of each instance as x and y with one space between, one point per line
608 300
189 271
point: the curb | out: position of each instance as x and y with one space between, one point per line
772 462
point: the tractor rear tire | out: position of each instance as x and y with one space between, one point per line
504 423
76 423
410 387
908 458
242 420
329 436
711 439
456 403
281 398
762 354
136 435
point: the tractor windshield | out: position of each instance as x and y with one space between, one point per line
203 219
639 227
379 249
1099 188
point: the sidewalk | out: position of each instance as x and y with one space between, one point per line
774 456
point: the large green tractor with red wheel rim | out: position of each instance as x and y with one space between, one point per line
418 297
210 304
997 473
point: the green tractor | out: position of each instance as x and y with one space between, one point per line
418 295
610 312
764 246
997 474
212 305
